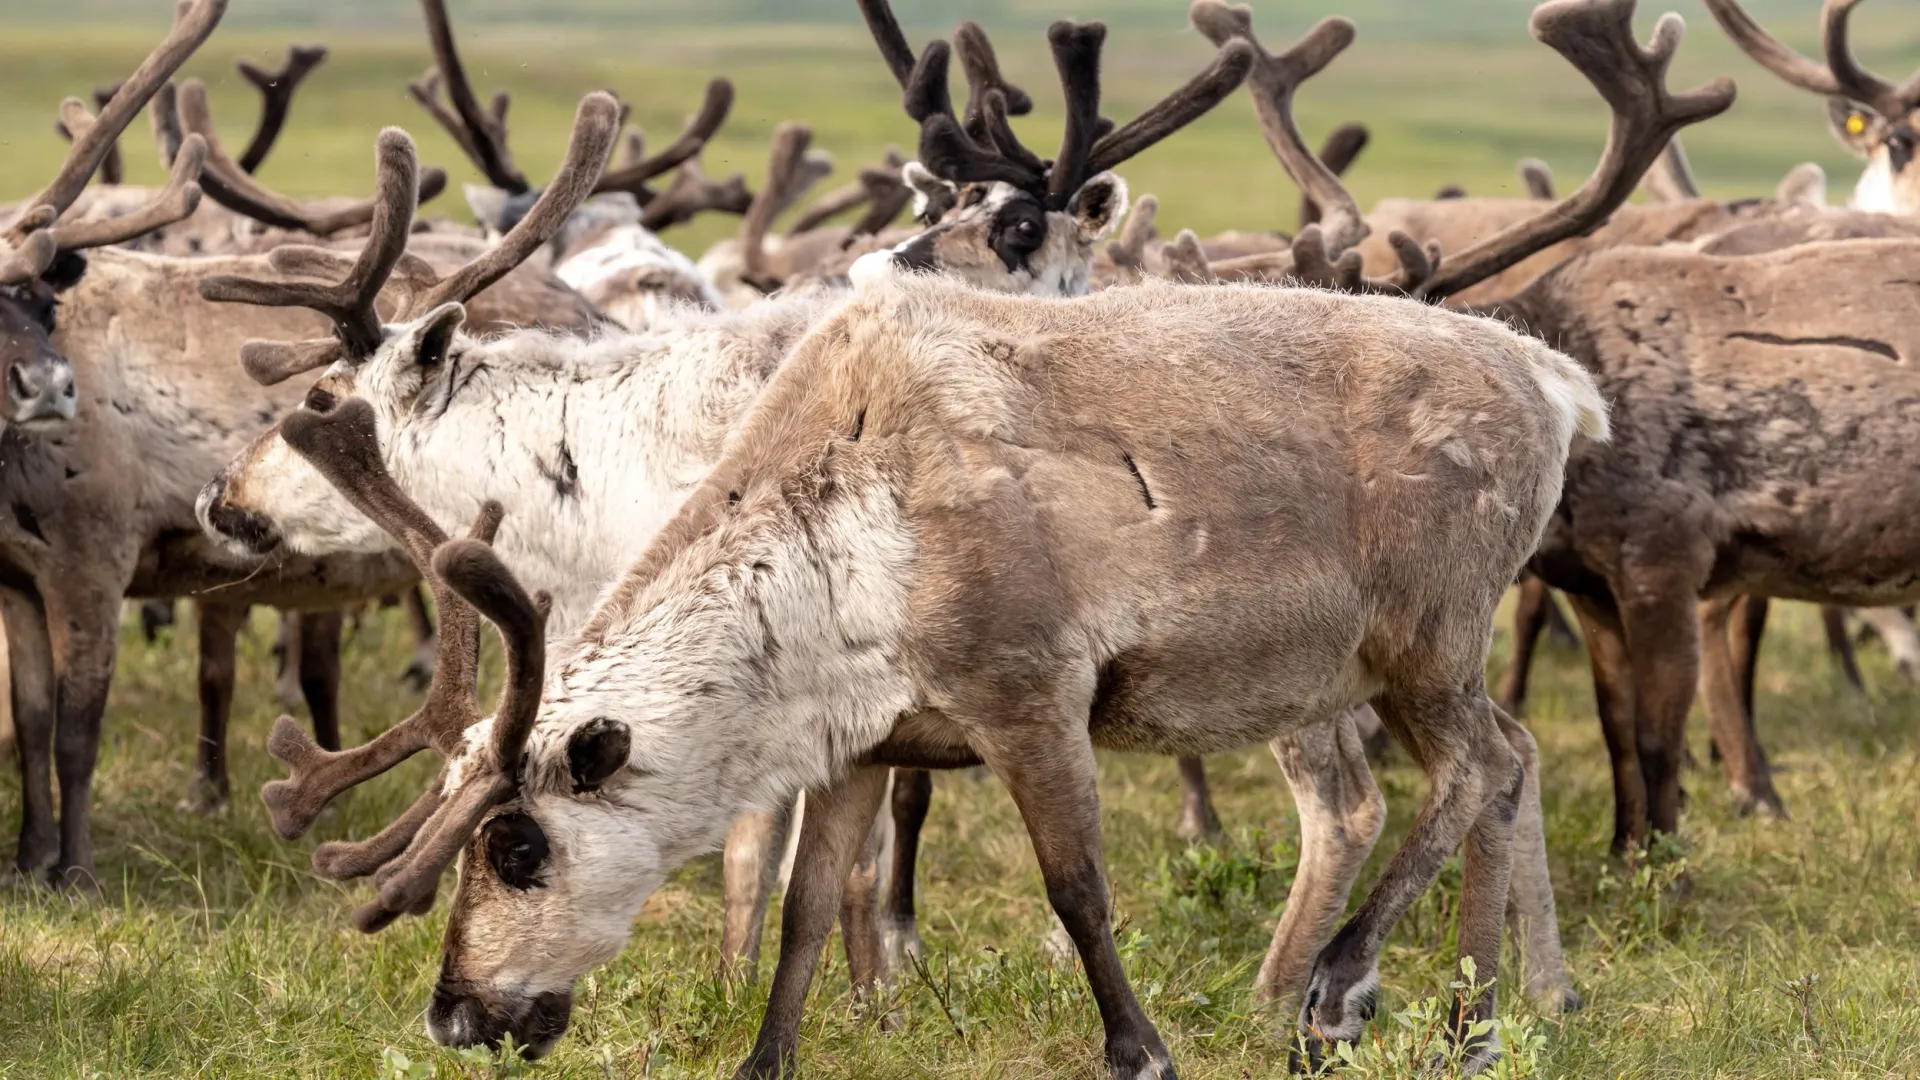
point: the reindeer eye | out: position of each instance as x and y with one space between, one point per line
516 849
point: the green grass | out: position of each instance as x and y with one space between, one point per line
215 953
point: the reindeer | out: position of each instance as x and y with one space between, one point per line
104 511
873 453
690 378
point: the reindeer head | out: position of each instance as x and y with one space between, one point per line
996 214
399 363
38 252
1870 116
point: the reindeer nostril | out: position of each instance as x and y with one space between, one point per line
17 381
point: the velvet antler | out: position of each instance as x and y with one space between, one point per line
1840 76
482 136
276 97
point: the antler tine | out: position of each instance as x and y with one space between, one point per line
1764 49
485 139
1671 177
190 29
1537 178
1840 76
1855 81
1212 86
888 35
982 68
693 138
837 201
690 193
790 141
75 121
1274 80
887 197
349 302
276 93
1076 55
1129 250
473 571
595 125
174 202
228 184
1338 152
343 445
1185 261
1596 36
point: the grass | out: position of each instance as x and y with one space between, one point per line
215 953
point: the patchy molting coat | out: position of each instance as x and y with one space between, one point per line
1197 518
590 443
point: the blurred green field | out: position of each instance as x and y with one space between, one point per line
1442 110
217 954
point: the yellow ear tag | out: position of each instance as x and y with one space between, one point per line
1856 124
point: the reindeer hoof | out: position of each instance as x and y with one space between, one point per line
203 799
1140 1059
78 881
900 943
1199 828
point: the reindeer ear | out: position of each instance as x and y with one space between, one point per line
1858 128
932 196
489 206
597 751
432 336
1098 206
65 271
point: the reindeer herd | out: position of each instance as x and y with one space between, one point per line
822 510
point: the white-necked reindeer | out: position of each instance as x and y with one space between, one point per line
607 436
959 526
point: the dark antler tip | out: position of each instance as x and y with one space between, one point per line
373 917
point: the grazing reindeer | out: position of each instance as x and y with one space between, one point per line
623 429
900 477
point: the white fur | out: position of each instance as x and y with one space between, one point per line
635 277
1875 192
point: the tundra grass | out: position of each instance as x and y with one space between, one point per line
215 953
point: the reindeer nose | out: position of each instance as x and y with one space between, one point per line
42 390
225 521
460 1020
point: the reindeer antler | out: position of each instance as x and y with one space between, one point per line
29 248
229 184
276 97
692 192
1273 82
410 855
700 128
790 171
112 169
1840 76
482 136
349 303
982 147
1596 36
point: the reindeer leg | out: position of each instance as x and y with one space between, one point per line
1477 785
1659 613
1727 717
30 663
319 636
837 824
1532 916
419 670
1341 812
1198 820
859 908
219 626
1834 621
286 649
900 934
1529 620
1048 767
1613 700
1744 630
83 628
750 865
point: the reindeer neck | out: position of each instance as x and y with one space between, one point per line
592 445
763 659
